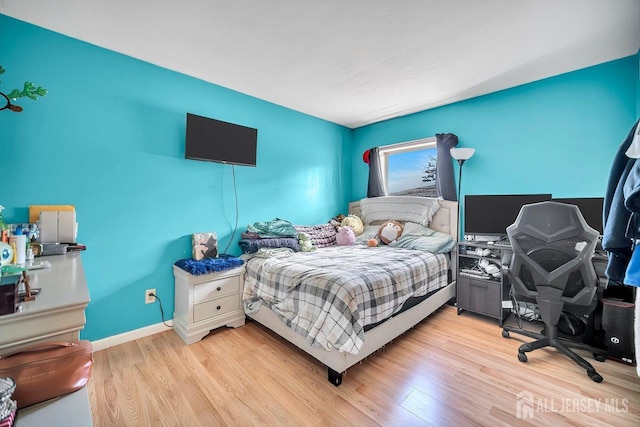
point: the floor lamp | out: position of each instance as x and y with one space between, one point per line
461 155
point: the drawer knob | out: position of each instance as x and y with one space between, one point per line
218 289
218 308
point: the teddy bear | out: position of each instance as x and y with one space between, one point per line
354 222
306 245
345 236
390 231
336 220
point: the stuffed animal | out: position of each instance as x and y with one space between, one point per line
306 245
372 243
354 222
336 220
390 231
345 236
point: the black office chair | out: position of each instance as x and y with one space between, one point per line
551 264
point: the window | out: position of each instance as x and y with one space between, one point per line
409 168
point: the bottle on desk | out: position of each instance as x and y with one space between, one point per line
18 243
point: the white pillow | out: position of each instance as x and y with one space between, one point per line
400 208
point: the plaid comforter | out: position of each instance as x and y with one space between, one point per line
330 294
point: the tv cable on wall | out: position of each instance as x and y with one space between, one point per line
235 227
217 141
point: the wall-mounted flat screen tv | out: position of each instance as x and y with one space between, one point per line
591 209
222 142
492 214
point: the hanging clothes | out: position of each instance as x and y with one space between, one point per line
622 212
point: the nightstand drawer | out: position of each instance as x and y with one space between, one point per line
215 289
216 307
205 302
480 296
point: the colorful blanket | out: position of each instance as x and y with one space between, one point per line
275 228
322 235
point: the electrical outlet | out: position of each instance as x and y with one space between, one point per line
148 298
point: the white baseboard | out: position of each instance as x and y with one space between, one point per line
129 336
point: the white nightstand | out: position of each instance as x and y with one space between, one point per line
206 302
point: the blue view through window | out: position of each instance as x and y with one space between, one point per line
412 173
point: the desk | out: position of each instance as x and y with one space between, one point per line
57 312
480 292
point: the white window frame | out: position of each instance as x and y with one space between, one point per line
402 147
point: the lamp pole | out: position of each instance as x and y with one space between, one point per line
461 155
460 163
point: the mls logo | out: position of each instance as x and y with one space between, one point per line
524 405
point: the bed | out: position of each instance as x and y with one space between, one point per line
339 326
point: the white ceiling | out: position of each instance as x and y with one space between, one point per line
352 62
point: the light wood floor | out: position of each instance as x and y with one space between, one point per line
448 370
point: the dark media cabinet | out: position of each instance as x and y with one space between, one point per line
477 291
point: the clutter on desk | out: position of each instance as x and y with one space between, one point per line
9 293
6 254
19 245
15 287
54 248
36 210
76 247
37 265
51 230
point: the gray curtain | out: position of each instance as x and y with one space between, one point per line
376 185
445 181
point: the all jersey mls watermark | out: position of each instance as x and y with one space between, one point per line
527 405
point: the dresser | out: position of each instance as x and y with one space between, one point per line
206 302
57 313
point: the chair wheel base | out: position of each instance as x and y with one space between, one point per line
505 334
595 376
599 357
522 357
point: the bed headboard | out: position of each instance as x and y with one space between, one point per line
445 219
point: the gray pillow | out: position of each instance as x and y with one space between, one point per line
416 236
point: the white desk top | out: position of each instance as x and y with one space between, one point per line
63 284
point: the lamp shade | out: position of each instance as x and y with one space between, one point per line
462 153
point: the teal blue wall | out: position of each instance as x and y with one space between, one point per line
109 139
557 135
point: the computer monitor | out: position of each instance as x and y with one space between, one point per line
591 209
490 215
